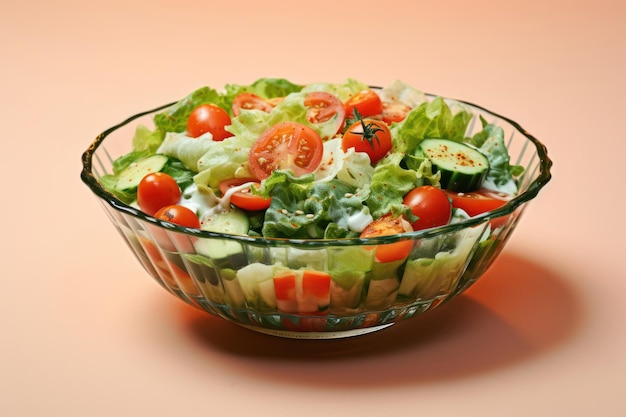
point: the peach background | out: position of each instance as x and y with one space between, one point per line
87 333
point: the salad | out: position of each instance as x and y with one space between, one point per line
277 159
320 161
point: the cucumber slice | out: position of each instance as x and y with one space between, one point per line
132 175
233 222
463 168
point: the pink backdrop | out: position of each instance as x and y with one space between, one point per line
541 335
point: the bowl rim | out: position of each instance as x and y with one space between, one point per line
545 175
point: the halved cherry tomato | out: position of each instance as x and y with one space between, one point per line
286 145
366 102
479 202
389 225
208 118
249 101
431 205
394 111
157 190
244 198
322 107
369 136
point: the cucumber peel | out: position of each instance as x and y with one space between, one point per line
463 168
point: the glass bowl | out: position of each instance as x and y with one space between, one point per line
234 277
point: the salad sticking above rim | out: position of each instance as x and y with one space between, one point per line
276 159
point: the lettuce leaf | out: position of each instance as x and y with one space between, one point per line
392 179
304 209
174 119
265 88
434 119
501 175
343 91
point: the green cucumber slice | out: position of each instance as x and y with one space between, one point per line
463 168
234 222
132 175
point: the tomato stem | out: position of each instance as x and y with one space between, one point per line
370 130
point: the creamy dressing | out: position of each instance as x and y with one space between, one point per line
205 203
359 221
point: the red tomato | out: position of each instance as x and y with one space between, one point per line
286 145
388 225
179 215
316 284
369 136
249 101
366 102
208 118
479 202
285 289
157 190
173 241
244 198
322 107
394 112
431 205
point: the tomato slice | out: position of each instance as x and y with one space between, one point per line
250 101
394 111
286 145
389 225
479 202
324 108
243 197
366 102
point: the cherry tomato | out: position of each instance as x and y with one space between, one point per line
173 241
179 215
366 102
208 118
286 145
369 136
479 202
389 225
394 112
243 198
157 190
249 101
322 107
431 205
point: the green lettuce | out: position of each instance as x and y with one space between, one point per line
304 209
174 118
501 175
392 180
434 119
264 87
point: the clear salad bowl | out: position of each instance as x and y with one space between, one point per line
234 276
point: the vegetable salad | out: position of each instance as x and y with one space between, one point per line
318 161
